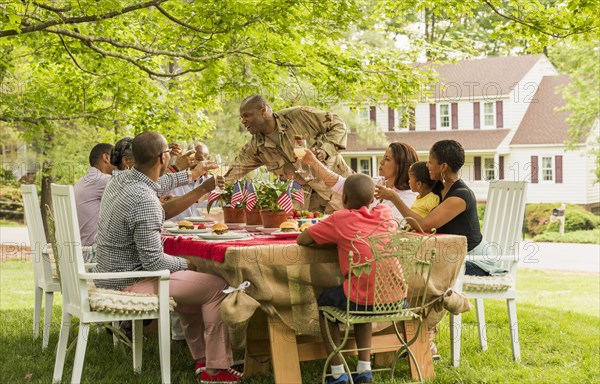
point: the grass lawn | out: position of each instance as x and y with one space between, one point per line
559 321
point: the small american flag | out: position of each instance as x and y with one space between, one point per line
237 196
285 201
298 193
251 197
213 196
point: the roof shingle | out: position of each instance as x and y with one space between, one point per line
484 140
542 124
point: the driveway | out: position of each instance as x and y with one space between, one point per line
546 256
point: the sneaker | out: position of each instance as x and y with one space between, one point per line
223 376
200 366
343 379
365 377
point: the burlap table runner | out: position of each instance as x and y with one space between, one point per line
286 279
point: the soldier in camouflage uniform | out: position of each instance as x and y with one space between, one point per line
272 145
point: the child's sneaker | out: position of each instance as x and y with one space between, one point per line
223 376
365 377
343 379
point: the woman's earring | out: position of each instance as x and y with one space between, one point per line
443 178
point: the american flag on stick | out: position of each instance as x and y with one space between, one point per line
237 196
285 201
251 197
213 196
298 193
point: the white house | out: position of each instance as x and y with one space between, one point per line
503 111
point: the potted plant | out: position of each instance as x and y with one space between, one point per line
271 213
236 214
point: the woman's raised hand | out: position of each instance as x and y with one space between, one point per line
309 158
384 193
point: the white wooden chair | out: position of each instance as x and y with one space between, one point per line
502 226
92 305
44 274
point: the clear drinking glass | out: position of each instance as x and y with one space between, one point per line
300 149
219 171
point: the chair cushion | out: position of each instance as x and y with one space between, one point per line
108 300
487 283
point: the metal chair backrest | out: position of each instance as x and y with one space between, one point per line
504 215
42 270
392 268
70 256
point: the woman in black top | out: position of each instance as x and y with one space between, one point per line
457 212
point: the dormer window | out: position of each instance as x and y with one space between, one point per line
489 114
445 115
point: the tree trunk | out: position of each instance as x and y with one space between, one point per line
46 198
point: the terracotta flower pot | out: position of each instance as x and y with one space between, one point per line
253 217
273 219
234 215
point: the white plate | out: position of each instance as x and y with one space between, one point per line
169 224
188 231
268 231
286 235
252 228
235 226
198 219
225 236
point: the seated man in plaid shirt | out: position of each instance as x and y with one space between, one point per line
129 229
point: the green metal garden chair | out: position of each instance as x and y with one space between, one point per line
390 264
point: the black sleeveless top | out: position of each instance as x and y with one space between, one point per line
465 223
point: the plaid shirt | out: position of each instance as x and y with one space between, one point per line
129 228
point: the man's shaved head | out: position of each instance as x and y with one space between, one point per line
147 148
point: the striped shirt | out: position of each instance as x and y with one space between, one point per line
129 228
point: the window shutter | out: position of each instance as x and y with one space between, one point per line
476 119
432 118
558 160
454 115
354 164
373 113
534 169
411 119
499 114
391 121
501 168
477 166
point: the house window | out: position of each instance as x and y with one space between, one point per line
489 169
445 115
363 114
547 169
489 115
364 166
403 117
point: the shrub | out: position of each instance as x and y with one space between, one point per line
11 202
588 237
537 218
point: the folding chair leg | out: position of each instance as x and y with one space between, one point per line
82 339
61 349
37 310
481 324
48 299
137 333
164 339
511 304
115 325
455 332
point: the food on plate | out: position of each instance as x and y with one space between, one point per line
220 229
306 214
200 226
304 227
184 224
288 226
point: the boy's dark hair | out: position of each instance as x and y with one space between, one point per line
421 173
359 190
97 152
